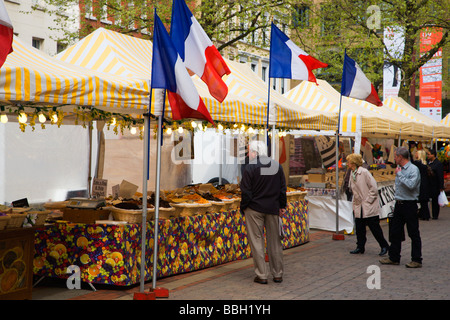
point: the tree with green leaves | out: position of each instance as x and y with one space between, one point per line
329 27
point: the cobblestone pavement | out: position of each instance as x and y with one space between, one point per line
321 269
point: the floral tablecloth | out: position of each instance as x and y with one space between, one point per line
111 254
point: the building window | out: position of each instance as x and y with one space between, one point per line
37 43
264 73
60 47
301 16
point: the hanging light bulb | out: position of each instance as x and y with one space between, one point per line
193 124
220 127
23 117
250 130
113 121
54 118
133 130
42 117
169 131
4 118
200 126
180 129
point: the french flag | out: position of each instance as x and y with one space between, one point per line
289 61
197 51
169 72
6 34
355 83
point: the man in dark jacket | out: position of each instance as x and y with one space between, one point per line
263 198
436 181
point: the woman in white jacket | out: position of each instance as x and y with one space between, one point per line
366 206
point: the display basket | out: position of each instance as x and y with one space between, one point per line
87 216
217 206
130 215
41 216
165 213
296 196
4 221
16 220
227 204
235 205
57 205
190 209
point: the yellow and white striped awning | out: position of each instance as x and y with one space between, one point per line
446 120
324 98
117 54
431 128
307 95
30 77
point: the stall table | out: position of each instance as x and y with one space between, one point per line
111 254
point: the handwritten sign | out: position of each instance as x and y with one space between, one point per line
99 188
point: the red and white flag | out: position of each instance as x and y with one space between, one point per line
6 34
197 51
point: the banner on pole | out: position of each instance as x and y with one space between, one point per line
431 75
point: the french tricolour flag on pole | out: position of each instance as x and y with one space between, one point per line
197 51
289 61
355 83
6 34
169 72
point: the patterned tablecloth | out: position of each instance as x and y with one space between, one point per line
111 254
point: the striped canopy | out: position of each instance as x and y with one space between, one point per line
431 128
446 120
118 54
409 128
324 98
29 77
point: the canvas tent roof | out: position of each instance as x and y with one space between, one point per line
29 77
324 98
118 54
410 128
400 106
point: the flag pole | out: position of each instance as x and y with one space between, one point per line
159 292
141 295
268 112
338 236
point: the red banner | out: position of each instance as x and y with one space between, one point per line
431 75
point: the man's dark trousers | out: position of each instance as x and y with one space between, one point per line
405 212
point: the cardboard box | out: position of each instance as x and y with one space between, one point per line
315 177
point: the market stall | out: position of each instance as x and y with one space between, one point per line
61 91
110 253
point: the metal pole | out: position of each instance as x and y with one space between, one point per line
336 235
144 200
157 186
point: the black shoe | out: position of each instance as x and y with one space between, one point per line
278 280
259 280
383 251
357 250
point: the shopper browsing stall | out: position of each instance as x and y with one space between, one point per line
436 181
366 206
263 198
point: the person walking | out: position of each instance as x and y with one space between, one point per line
263 199
407 189
420 161
436 182
366 205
